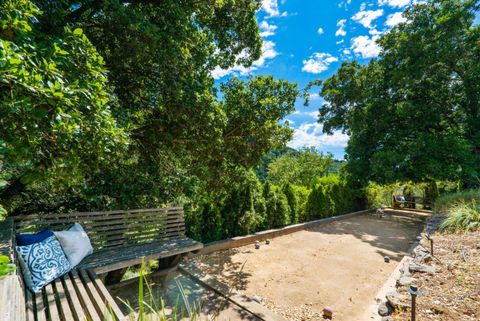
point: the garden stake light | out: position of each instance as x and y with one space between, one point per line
414 291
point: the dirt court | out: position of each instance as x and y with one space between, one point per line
340 264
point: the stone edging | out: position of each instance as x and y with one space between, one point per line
263 235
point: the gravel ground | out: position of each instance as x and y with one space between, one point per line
453 293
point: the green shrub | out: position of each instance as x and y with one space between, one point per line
277 208
292 200
462 217
462 210
332 196
301 193
444 203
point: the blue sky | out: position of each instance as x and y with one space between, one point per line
308 39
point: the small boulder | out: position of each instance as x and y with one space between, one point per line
405 280
383 309
422 268
388 318
397 300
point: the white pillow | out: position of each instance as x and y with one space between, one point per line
75 243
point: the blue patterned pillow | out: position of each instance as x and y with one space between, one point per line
42 263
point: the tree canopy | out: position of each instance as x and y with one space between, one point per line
115 100
413 113
302 168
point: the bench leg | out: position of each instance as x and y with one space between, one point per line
114 277
169 262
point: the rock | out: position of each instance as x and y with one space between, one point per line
422 268
328 312
396 300
405 280
257 298
383 309
387 319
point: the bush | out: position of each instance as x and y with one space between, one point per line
445 202
332 196
462 210
301 193
462 217
277 207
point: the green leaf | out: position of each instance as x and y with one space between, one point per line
78 31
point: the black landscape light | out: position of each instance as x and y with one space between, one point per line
414 292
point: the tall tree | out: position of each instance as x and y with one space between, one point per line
413 113
55 120
301 168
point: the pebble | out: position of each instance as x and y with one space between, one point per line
327 312
257 298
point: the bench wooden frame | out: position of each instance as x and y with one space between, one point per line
120 239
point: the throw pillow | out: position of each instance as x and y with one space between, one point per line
43 262
27 239
75 244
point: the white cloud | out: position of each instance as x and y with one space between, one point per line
366 17
320 31
341 28
266 29
394 19
318 62
268 52
340 41
271 9
346 51
311 135
394 3
365 46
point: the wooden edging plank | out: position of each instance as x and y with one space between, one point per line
263 235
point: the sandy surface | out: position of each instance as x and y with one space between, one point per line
339 265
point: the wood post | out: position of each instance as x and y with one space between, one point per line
114 277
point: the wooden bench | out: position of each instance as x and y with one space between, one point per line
120 239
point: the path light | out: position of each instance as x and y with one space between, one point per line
414 291
431 243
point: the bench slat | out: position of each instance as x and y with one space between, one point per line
102 290
40 308
64 306
99 303
51 303
84 297
77 308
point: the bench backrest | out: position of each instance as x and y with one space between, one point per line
113 228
